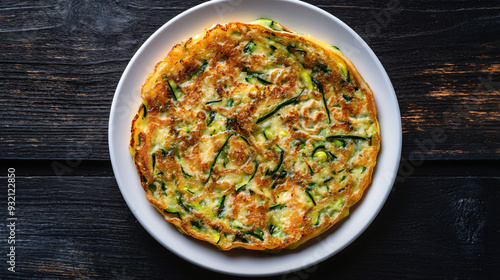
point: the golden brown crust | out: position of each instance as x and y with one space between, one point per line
255 138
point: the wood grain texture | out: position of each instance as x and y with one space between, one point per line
61 61
430 228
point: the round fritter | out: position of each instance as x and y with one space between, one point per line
254 136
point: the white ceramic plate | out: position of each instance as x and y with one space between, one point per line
295 15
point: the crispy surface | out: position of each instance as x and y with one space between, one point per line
253 136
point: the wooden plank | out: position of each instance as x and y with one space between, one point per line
430 228
61 61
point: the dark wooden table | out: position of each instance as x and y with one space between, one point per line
61 60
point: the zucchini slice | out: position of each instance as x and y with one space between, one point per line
184 207
342 139
244 139
213 102
172 211
268 133
184 173
245 182
211 118
221 206
261 78
249 47
306 79
177 92
271 228
258 233
200 69
144 110
320 88
315 218
311 197
217 157
271 24
281 176
322 154
278 107
280 162
277 206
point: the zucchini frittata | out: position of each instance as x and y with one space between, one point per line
254 136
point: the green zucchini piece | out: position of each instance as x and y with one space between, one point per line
268 133
200 69
183 206
311 197
292 49
217 157
342 138
144 110
310 170
184 173
172 211
153 158
271 24
347 75
347 97
277 206
262 81
315 218
320 88
281 176
327 154
323 67
175 89
278 107
196 225
211 118
259 76
328 180
280 162
245 182
163 189
221 206
217 237
152 189
339 143
306 79
275 44
249 47
241 239
244 139
213 102
271 228
259 235
230 123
